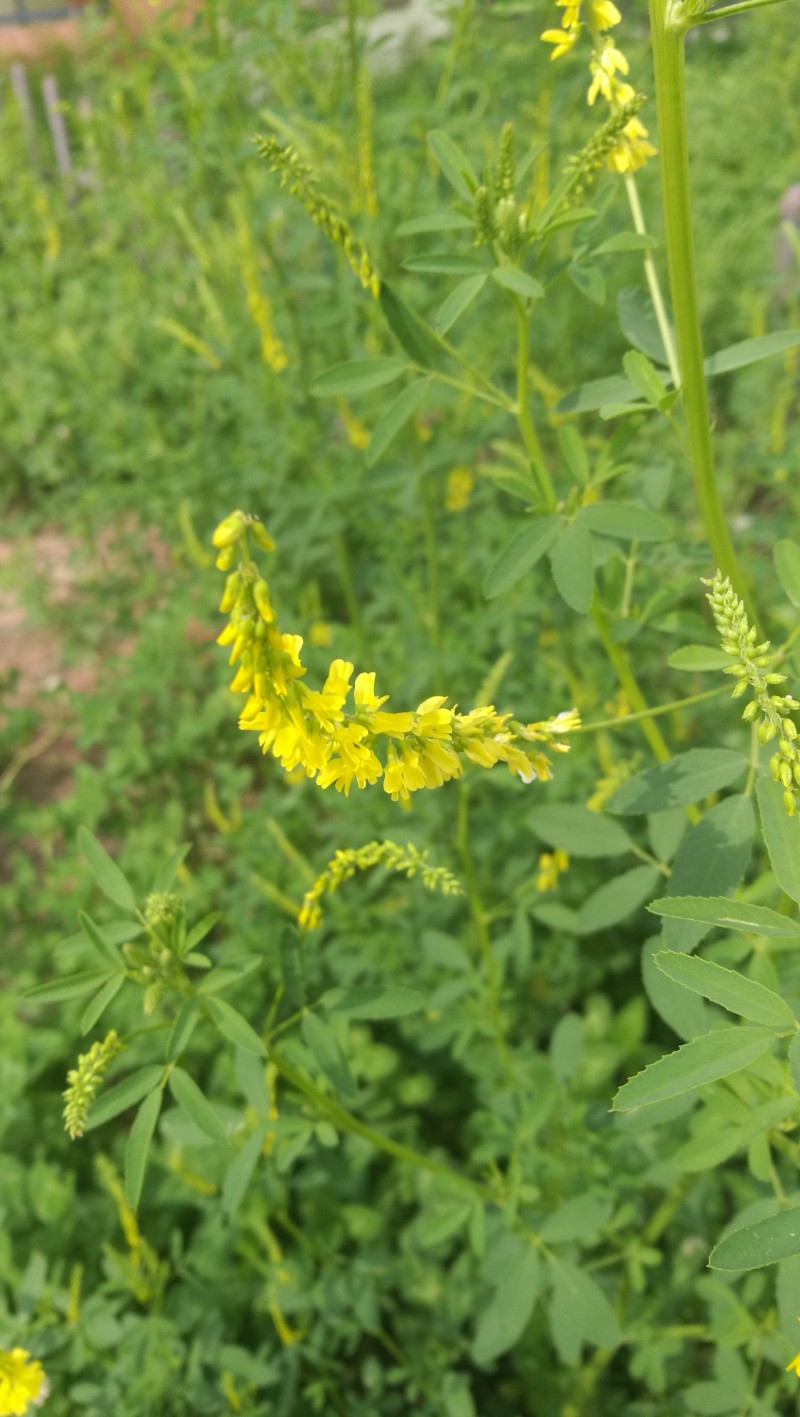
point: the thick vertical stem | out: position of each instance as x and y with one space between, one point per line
668 58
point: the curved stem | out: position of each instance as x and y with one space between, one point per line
668 60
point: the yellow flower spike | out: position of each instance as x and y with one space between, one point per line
22 1382
318 732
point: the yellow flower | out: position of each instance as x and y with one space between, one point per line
22 1382
604 66
551 865
562 39
459 486
605 14
794 1366
633 149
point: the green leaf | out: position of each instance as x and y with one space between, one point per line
457 302
519 282
226 974
235 1028
624 520
416 338
292 972
580 1313
123 1095
374 1001
573 450
751 351
786 556
70 988
645 377
241 1171
728 915
445 263
358 376
687 777
322 1041
189 1096
589 280
698 658
794 1061
726 987
455 164
582 1216
395 418
711 860
572 564
504 1320
97 1006
436 221
597 394
96 937
138 1145
168 871
186 1021
639 324
106 872
199 931
252 1079
781 836
566 1047
766 1242
578 831
626 241
521 554
615 900
703 1060
442 1222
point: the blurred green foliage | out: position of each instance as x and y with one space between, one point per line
136 409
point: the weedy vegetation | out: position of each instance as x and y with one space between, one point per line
431 1046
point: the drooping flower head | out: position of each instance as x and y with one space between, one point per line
342 734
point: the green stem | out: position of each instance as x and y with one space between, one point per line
651 712
621 666
727 10
653 283
340 1117
668 60
526 426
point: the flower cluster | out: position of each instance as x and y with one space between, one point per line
344 864
338 744
499 220
158 964
298 177
631 148
751 660
83 1082
22 1382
